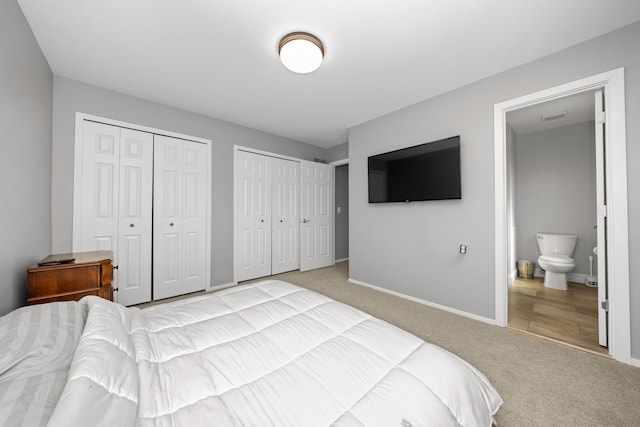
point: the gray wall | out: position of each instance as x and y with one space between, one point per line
342 218
338 152
556 189
26 87
413 248
71 96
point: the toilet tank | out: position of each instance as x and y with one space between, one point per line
556 244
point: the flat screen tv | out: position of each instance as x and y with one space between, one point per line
429 171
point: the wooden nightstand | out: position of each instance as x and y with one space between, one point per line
91 273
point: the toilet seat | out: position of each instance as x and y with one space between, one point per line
557 259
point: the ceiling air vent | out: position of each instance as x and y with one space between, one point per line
554 116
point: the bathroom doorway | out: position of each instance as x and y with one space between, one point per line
612 238
552 182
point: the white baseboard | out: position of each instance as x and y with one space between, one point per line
218 287
342 259
576 277
427 303
571 277
513 275
635 362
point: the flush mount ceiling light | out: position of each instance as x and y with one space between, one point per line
301 52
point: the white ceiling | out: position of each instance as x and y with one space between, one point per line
219 58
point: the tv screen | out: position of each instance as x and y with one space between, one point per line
429 171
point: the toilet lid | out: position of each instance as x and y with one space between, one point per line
558 259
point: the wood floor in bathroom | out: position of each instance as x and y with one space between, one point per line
569 316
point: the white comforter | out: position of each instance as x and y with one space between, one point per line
266 354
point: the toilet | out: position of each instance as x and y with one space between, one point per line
556 251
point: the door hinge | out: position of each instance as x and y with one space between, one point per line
605 305
601 117
603 211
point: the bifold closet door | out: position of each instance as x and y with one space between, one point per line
115 204
179 217
253 211
285 222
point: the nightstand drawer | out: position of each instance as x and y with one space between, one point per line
63 279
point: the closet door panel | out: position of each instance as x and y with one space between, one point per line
286 217
167 211
253 227
135 217
180 216
194 216
99 202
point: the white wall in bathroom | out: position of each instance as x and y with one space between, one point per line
555 189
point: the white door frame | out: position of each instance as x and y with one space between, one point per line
77 173
616 187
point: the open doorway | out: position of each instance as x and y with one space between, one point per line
617 274
552 202
342 212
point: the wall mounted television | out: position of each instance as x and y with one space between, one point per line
429 171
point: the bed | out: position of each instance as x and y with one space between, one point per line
264 354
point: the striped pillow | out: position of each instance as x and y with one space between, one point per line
37 344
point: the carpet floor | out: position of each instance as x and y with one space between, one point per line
542 383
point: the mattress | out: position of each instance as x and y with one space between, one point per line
265 354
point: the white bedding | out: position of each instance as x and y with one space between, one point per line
37 344
266 354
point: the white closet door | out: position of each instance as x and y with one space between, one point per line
285 216
135 219
116 189
98 220
316 213
194 216
179 211
253 210
167 211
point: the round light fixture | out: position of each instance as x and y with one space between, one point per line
301 52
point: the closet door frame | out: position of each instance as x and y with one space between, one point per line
77 172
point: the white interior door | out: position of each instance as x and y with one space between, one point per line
97 225
194 216
167 212
285 216
253 215
316 215
601 201
179 211
116 190
135 217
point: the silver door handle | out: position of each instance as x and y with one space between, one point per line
304 221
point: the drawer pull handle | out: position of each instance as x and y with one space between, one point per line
171 224
131 225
